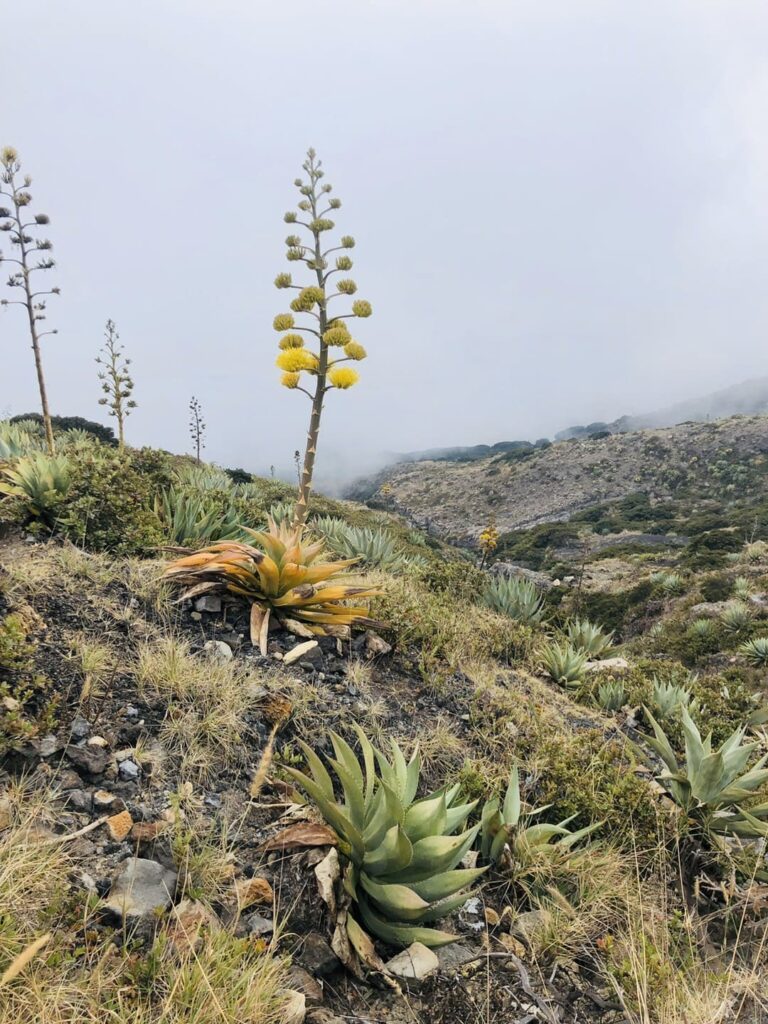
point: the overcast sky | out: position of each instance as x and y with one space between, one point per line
560 207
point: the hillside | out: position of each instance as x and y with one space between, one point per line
194 824
721 461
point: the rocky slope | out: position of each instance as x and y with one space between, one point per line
721 460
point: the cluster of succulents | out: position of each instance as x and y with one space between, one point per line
585 636
516 597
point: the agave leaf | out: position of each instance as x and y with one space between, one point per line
369 759
498 843
426 818
511 809
397 901
490 823
456 816
707 782
353 794
346 755
437 887
661 744
393 854
444 907
412 773
436 854
319 773
387 811
400 769
402 935
332 814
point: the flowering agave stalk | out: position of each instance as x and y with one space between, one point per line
712 784
508 838
402 853
330 331
281 577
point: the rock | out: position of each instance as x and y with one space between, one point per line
10 703
375 646
188 920
259 926
79 800
119 826
210 603
140 889
511 570
608 665
97 741
5 813
128 770
217 650
49 745
317 956
79 729
196 616
92 760
303 981
415 963
294 1008
301 651
103 800
454 956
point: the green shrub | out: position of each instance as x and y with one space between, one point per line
458 577
615 609
717 587
25 710
110 503
63 423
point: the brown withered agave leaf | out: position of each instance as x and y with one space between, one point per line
306 833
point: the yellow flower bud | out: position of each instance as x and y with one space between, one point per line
290 380
293 360
346 287
283 322
343 377
283 281
291 341
353 350
361 307
336 336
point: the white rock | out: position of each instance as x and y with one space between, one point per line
294 1007
415 963
299 651
217 650
609 665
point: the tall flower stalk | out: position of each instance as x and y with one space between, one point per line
330 331
21 226
116 380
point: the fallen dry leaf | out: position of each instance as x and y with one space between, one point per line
327 874
308 833
251 891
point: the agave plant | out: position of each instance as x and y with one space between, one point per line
17 439
736 616
672 583
589 638
203 478
703 629
564 664
42 480
402 853
756 651
282 577
376 549
742 588
518 598
190 521
711 786
76 440
509 838
668 697
283 512
611 696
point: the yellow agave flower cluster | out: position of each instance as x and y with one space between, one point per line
283 577
294 358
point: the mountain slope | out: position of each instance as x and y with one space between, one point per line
521 489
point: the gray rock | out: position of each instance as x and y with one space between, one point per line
79 800
317 956
529 924
454 956
49 745
217 650
608 665
375 645
79 729
303 981
208 603
510 570
415 963
128 770
258 925
140 889
90 759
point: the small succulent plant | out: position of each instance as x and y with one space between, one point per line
587 637
611 696
756 651
518 598
402 853
563 663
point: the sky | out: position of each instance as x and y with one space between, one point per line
560 209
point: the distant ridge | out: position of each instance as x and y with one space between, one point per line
750 398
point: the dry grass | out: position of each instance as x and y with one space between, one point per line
73 979
206 704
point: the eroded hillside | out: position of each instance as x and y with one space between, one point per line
699 460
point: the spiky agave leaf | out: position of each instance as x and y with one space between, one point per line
403 856
282 576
